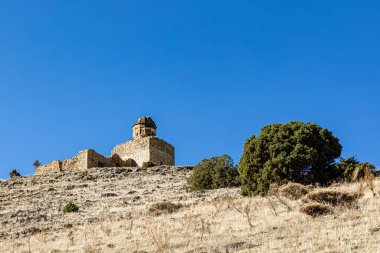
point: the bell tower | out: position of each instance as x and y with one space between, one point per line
144 127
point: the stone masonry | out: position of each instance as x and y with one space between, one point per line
143 147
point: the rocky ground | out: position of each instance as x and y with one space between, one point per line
115 215
29 205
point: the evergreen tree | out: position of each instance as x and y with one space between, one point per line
295 151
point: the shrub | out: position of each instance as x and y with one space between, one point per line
213 173
351 169
294 152
163 208
14 174
293 190
148 164
333 198
36 164
316 209
70 207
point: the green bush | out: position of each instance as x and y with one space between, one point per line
148 164
70 207
213 173
292 152
14 174
351 169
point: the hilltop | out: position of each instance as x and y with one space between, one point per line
116 214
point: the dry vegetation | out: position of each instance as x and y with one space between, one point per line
129 210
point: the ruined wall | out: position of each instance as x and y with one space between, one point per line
54 166
146 149
161 152
95 159
128 154
84 160
116 161
78 162
138 150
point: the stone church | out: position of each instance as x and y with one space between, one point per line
144 147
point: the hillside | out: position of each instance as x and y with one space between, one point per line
115 215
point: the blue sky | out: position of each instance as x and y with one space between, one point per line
77 74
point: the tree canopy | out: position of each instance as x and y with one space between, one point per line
296 151
213 173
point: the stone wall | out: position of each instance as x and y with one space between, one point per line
161 152
95 159
83 160
78 162
138 150
128 154
116 161
54 166
146 149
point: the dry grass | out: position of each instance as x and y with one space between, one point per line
225 221
293 191
164 207
334 197
367 181
316 209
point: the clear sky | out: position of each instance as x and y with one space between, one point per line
77 74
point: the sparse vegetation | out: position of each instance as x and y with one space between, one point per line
14 173
36 164
293 152
293 190
351 169
163 208
213 173
367 181
148 164
130 222
316 209
333 197
70 208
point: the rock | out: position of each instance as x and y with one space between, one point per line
30 231
91 220
126 216
109 194
203 250
233 247
15 214
69 187
41 217
119 170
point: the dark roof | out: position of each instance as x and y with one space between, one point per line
146 121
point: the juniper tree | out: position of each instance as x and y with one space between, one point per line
295 151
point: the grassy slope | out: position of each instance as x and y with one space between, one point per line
218 220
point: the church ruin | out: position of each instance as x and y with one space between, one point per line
145 146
